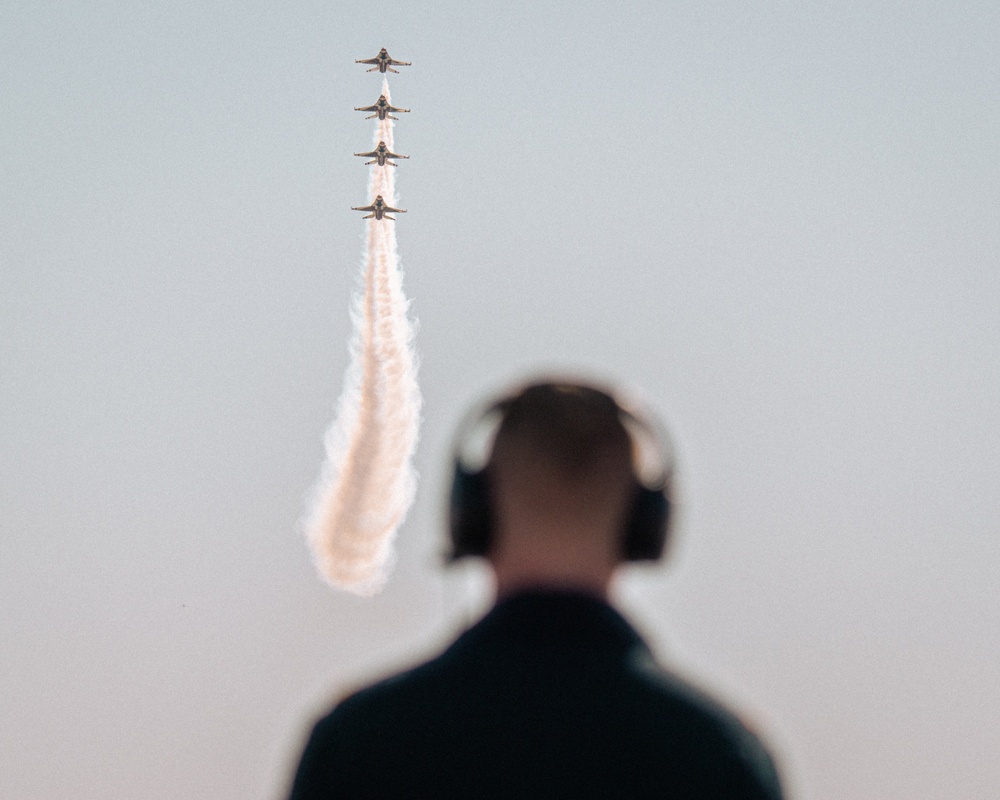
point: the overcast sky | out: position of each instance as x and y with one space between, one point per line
780 221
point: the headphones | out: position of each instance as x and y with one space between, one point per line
647 527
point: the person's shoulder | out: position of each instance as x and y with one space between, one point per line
344 733
677 691
710 725
387 697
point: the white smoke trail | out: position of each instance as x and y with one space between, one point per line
368 482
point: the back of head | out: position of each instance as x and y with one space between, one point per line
562 457
562 450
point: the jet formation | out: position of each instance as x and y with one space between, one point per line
382 62
381 154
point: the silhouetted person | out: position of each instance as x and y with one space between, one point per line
552 694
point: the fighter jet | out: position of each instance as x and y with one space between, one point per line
381 154
382 109
382 62
379 209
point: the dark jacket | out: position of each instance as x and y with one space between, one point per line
551 695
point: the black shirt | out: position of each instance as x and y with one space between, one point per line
550 695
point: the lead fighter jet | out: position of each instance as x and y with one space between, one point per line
382 62
379 209
381 109
381 155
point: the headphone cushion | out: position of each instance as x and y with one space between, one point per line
647 526
470 518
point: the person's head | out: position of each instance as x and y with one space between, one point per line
559 499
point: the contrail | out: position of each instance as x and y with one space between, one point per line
368 482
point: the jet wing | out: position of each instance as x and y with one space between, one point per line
394 210
372 154
364 208
396 63
370 108
393 108
366 60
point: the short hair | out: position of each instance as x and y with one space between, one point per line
572 429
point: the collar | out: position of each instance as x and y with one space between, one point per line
553 619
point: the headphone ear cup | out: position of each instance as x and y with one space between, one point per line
470 519
648 527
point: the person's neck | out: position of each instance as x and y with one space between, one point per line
524 560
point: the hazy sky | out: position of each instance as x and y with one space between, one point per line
779 220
